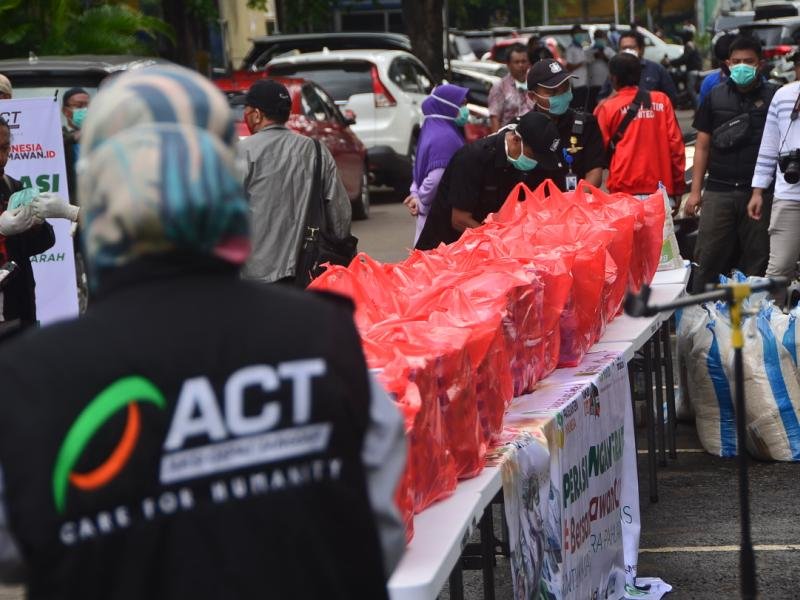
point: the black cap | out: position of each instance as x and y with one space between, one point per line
539 132
270 97
548 73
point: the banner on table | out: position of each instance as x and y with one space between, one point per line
526 489
37 159
589 533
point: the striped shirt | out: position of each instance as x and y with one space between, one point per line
781 135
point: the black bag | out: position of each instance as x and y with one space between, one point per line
731 133
320 246
642 98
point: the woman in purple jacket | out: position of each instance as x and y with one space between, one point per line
445 112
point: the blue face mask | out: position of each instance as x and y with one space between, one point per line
522 162
743 75
560 103
463 116
78 116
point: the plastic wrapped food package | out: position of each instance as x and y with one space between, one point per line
441 353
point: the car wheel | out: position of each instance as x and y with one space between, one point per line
361 206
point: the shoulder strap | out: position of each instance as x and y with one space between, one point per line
642 98
316 215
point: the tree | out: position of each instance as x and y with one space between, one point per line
73 27
425 27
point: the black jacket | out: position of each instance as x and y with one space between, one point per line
19 298
240 410
734 166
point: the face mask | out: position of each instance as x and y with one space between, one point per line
631 51
743 75
78 116
578 39
560 103
522 163
463 116
600 44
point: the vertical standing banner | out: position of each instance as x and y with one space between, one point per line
37 158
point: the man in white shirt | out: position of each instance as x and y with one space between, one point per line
779 160
576 65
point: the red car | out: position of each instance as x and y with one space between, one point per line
314 114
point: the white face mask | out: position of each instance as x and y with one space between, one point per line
631 51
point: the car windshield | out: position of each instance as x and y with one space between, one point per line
340 80
20 91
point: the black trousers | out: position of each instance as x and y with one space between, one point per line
727 238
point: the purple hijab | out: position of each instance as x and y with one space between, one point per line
439 138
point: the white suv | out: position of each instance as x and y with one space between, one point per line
383 89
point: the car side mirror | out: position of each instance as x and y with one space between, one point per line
349 117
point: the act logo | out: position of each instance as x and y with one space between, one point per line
125 393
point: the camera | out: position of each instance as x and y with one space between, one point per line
789 164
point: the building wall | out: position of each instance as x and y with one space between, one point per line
240 24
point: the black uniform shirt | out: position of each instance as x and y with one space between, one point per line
590 151
478 181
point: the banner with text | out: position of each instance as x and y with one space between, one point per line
37 159
590 519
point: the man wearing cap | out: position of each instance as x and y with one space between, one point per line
5 88
279 168
75 104
508 98
576 65
480 176
583 151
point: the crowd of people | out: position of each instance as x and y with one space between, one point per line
631 142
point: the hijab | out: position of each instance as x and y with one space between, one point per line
439 138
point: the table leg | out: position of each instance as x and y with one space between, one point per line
457 583
631 382
661 427
672 419
649 420
487 552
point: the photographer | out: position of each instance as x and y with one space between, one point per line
729 124
780 146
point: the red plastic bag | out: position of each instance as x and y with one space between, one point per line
589 280
502 285
648 235
430 465
443 352
486 347
554 268
342 280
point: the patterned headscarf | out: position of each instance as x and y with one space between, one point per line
158 172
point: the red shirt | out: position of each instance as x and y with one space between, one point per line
651 149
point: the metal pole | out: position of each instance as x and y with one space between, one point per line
546 12
616 12
521 14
